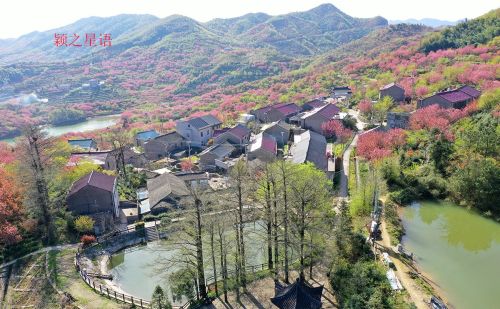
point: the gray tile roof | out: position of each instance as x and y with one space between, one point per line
220 150
310 147
164 186
204 121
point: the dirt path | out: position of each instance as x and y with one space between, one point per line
416 292
43 250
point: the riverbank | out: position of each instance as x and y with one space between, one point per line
419 285
89 124
457 249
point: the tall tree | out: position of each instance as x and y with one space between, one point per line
159 299
284 170
264 195
35 147
240 187
310 202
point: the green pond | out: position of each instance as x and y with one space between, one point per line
138 270
459 249
90 124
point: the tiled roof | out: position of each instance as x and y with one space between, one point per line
342 88
264 141
329 111
220 131
310 147
239 131
288 109
165 185
98 158
145 135
463 93
390 85
83 143
220 150
316 103
204 121
470 91
283 125
285 108
297 295
94 179
455 96
170 137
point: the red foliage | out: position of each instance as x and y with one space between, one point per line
10 201
187 165
365 106
336 128
7 154
422 91
87 239
376 145
435 117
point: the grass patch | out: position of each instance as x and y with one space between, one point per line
394 225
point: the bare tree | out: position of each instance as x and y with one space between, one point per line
35 148
284 173
310 203
240 183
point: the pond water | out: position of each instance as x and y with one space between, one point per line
459 249
90 124
138 270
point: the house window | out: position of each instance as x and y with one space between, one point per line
201 134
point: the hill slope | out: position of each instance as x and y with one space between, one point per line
295 34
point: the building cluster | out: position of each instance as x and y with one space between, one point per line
450 98
285 131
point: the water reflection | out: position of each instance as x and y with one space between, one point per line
459 249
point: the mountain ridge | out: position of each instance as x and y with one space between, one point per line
257 30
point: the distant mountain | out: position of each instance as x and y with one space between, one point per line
471 32
303 33
296 34
430 22
39 46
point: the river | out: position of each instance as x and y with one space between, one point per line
91 124
459 249
138 270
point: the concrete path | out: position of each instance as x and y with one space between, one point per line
344 173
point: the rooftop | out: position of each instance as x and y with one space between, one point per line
96 157
94 179
204 121
390 85
220 150
145 135
310 147
297 295
264 141
328 111
165 185
83 143
463 93
239 131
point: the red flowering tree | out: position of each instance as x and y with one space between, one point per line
365 106
187 164
376 145
335 128
436 118
10 211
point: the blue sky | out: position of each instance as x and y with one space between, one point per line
19 17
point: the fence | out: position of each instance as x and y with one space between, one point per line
142 303
104 290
